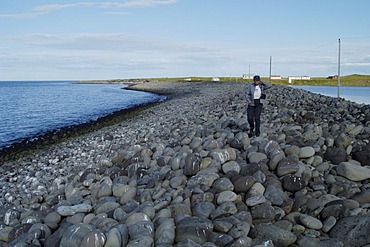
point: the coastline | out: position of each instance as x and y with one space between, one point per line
188 160
55 136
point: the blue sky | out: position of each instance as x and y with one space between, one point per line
73 40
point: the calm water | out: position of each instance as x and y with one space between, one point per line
359 95
31 108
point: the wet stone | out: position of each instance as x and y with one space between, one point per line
195 229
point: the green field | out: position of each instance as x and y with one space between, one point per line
349 80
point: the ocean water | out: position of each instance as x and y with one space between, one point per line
28 109
360 95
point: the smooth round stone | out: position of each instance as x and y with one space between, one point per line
4 233
72 210
192 164
257 157
195 229
310 222
275 195
231 166
74 235
357 130
120 189
262 213
95 238
256 189
324 199
145 241
336 155
10 216
205 162
140 229
264 231
292 150
177 181
52 219
245 241
107 207
128 196
105 190
275 159
137 217
31 219
203 209
255 200
308 241
23 229
362 197
165 232
353 172
223 184
226 196
243 184
202 180
181 209
225 209
239 230
352 231
329 223
75 219
221 225
223 155
313 133
87 219
306 152
287 166
114 238
317 160
259 177
342 141
293 183
323 167
164 213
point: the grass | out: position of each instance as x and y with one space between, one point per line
349 80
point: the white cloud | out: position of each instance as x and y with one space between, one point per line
126 4
116 13
21 15
47 8
124 55
55 7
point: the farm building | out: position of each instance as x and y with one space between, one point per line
305 77
275 77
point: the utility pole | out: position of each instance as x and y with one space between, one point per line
339 68
270 69
249 74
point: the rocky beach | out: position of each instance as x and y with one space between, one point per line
185 173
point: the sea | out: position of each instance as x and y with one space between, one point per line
30 108
360 95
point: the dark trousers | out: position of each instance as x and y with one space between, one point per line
254 116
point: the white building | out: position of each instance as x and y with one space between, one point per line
248 76
291 78
275 77
215 79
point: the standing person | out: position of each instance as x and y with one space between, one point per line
255 96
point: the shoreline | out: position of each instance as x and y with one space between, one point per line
188 161
43 140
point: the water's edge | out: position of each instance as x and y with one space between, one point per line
53 136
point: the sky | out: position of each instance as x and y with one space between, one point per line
91 39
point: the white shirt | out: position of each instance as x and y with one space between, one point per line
257 92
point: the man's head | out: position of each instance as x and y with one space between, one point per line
257 79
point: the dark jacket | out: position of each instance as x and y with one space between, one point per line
250 91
